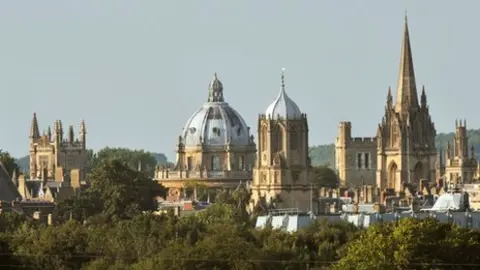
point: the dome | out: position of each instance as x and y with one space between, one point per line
283 106
216 123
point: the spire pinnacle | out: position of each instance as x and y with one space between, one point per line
407 97
283 79
34 130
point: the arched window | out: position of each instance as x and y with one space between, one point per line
293 139
279 139
264 138
216 166
392 176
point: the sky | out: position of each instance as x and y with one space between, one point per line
136 70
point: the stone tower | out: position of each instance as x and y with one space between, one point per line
406 150
460 161
282 173
52 151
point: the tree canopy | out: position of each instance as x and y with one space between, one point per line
8 162
115 191
325 177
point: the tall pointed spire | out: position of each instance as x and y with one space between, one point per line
34 130
407 97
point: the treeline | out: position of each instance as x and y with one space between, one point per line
111 226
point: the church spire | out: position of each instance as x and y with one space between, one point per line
34 130
407 90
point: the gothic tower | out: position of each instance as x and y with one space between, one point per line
460 162
281 176
406 150
51 153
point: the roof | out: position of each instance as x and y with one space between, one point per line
8 191
283 106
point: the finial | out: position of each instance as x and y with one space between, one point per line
406 16
283 79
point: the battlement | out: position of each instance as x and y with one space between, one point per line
364 139
345 124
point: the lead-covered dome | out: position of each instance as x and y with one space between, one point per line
283 106
216 123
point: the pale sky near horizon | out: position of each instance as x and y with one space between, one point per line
136 70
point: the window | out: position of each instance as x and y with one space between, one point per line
367 160
189 163
241 163
264 138
216 166
293 139
359 160
279 142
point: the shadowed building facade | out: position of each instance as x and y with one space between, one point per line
215 148
282 172
403 150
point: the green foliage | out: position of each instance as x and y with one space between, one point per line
132 158
8 162
115 191
412 244
324 154
325 177
216 239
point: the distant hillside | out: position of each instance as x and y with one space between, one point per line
24 162
324 154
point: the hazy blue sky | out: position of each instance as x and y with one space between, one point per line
136 70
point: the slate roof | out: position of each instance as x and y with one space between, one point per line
8 191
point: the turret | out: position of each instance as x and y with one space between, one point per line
58 131
344 132
34 130
83 134
49 134
71 134
423 98
389 99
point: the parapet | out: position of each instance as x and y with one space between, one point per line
345 124
364 139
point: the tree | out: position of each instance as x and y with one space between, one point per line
412 244
8 162
52 247
325 177
132 158
121 190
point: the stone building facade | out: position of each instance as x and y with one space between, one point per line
52 152
58 163
461 165
283 169
215 148
403 150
